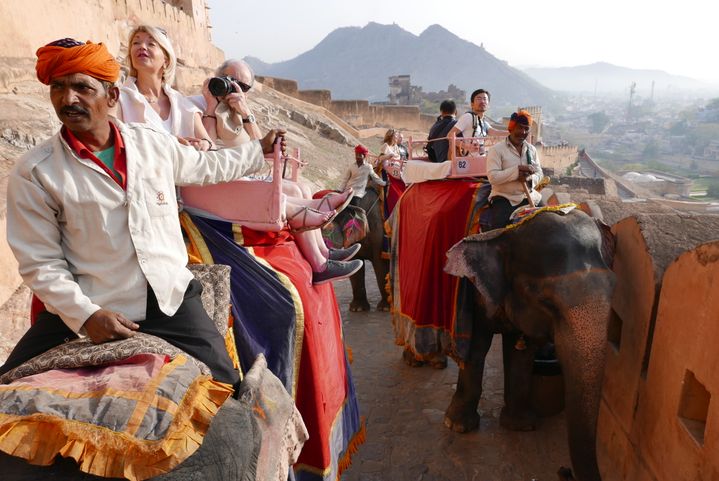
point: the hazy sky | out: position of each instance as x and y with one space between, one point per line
680 39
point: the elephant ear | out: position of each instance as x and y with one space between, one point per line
608 242
479 258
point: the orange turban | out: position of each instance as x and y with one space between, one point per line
67 56
522 117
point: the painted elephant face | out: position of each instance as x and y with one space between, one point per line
547 265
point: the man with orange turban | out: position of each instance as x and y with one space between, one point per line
510 164
68 56
92 218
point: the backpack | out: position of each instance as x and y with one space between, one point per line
476 122
440 146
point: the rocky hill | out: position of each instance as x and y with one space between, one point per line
355 63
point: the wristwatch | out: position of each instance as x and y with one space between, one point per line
249 120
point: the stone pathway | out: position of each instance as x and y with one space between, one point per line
404 411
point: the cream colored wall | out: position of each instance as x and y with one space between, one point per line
30 24
558 157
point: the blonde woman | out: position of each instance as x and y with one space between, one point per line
389 151
391 159
147 95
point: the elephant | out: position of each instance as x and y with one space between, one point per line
371 251
547 279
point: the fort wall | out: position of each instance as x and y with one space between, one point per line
359 113
323 98
592 186
30 24
558 157
656 420
536 130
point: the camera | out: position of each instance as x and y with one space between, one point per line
221 86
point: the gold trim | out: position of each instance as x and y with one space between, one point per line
150 394
196 239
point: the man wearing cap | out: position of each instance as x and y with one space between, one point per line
92 218
357 175
509 164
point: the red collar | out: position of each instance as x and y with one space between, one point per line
120 159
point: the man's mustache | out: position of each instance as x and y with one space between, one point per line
73 109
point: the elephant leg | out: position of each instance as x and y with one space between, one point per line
516 414
359 292
462 415
381 268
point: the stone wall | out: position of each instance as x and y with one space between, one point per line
558 157
356 112
323 98
592 186
536 129
285 86
30 24
656 421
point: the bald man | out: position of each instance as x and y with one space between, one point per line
228 118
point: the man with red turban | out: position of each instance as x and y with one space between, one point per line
357 175
92 218
509 165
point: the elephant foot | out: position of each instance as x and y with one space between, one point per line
439 361
461 423
383 305
359 306
525 421
409 358
461 415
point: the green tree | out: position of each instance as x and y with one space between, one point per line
599 121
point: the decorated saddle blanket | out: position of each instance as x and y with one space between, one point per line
139 407
134 418
278 311
428 220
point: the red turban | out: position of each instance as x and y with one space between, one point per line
93 59
361 149
522 117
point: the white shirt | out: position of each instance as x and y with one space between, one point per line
503 162
136 108
356 177
464 124
83 243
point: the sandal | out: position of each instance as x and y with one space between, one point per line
339 208
305 226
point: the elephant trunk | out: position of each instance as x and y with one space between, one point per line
581 347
